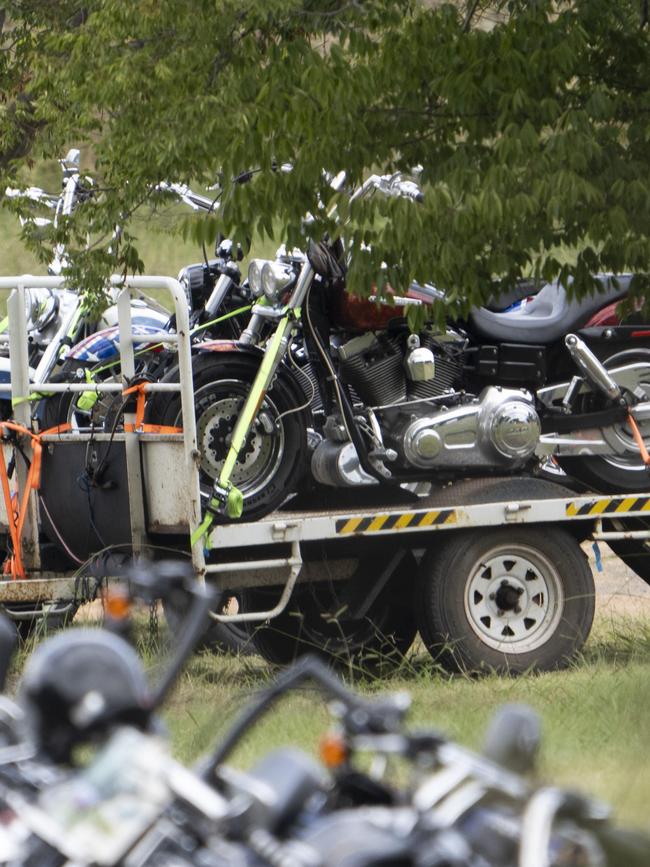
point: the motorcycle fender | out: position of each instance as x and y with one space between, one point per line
288 379
626 377
229 346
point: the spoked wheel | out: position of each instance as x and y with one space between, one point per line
320 620
507 600
623 470
273 457
82 411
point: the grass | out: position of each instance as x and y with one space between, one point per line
595 715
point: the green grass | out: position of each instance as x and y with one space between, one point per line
595 716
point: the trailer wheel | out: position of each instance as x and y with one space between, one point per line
316 621
219 637
507 600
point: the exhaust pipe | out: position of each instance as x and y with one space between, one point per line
592 368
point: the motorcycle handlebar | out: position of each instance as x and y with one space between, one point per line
360 715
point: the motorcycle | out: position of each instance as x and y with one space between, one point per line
496 394
217 301
379 795
58 319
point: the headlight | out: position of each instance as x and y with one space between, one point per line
275 278
41 306
255 276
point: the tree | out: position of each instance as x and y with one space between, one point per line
530 119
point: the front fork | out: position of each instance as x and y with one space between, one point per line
226 498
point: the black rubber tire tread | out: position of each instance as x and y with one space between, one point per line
595 471
494 489
53 410
440 609
313 622
164 408
635 553
218 638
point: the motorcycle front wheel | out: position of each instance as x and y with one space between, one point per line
625 471
68 407
275 452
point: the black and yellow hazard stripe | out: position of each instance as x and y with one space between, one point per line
395 521
608 506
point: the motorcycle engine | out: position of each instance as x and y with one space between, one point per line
385 368
413 384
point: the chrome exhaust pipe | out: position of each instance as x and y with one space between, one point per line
591 367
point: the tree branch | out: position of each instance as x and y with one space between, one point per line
472 6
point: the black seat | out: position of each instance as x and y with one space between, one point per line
549 315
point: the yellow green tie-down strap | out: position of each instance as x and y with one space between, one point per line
234 499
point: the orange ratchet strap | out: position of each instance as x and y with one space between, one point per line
15 507
638 439
139 425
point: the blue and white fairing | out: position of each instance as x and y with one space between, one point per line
101 347
104 345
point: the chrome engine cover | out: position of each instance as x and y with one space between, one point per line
499 428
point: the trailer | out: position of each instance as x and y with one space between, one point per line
490 571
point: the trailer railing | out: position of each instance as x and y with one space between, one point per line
22 391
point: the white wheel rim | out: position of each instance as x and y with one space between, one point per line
514 599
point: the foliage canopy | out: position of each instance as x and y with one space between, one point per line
530 118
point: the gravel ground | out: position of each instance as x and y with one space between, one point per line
619 591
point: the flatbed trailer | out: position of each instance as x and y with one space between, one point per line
489 570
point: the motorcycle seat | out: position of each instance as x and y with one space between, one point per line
549 315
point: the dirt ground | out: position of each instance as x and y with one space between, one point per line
619 591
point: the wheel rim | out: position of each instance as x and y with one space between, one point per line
514 600
217 407
620 437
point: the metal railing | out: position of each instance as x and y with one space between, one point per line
22 390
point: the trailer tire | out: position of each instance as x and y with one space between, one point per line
508 600
219 637
314 622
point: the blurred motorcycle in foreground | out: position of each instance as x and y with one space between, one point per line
108 792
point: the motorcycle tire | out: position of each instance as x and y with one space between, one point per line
61 408
506 600
616 474
315 621
275 453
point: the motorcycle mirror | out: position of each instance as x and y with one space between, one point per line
71 159
513 737
8 637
